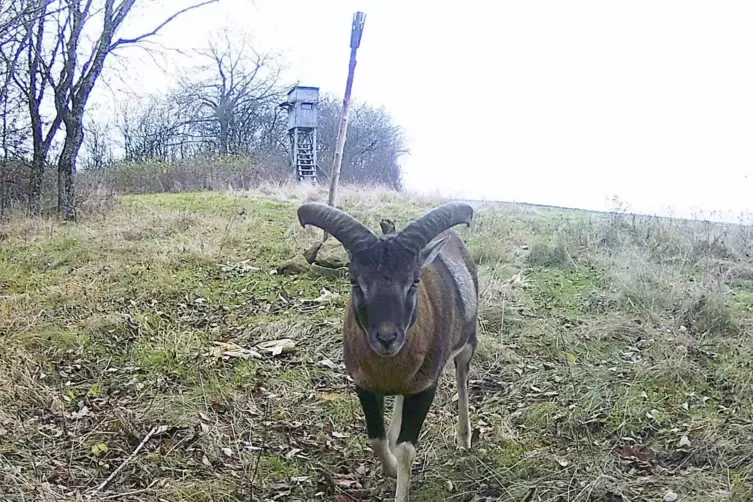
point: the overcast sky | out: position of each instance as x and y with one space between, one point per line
551 102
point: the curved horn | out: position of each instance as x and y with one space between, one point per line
353 234
419 232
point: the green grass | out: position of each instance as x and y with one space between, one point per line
604 340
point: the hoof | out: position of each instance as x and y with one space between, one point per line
389 468
386 457
464 441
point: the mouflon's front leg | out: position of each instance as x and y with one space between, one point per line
396 422
373 410
415 407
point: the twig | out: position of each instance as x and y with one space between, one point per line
225 233
264 441
530 495
135 40
130 457
132 492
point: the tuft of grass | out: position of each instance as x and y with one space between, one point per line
707 312
604 340
551 254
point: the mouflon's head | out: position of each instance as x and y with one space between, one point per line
385 271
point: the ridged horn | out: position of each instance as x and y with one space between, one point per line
352 234
419 232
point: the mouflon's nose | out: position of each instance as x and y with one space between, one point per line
386 337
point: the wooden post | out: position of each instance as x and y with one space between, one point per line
359 18
295 154
314 147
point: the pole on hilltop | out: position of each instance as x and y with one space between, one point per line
359 18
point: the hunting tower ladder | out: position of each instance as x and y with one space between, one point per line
303 119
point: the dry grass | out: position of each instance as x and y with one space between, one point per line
614 362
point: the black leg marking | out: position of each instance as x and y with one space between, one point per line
373 410
415 408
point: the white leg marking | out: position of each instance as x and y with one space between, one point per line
396 422
461 379
406 455
382 451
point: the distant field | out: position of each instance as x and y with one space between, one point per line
615 359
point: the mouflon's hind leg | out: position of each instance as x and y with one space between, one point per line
415 407
373 410
462 368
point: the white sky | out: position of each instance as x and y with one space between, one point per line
551 102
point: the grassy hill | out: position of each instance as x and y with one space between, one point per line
614 360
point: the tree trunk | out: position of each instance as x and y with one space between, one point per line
35 184
4 202
67 168
224 135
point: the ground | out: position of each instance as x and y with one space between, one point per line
614 360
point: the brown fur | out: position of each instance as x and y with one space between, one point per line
439 330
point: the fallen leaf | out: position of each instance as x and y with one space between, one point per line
670 496
327 364
205 461
331 396
277 347
475 436
684 442
57 407
99 449
224 349
84 411
561 461
346 483
326 295
242 354
628 451
241 267
227 451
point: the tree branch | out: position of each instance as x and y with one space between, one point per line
126 41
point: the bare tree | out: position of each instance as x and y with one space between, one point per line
12 14
97 147
234 100
33 84
70 72
157 128
373 148
167 128
72 93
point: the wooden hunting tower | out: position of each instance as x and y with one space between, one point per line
303 119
